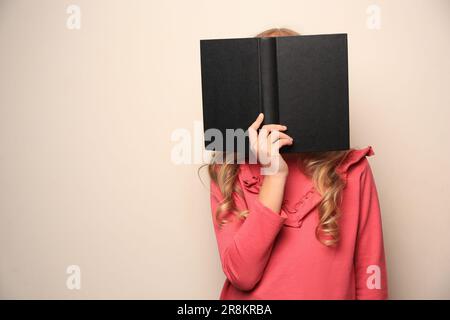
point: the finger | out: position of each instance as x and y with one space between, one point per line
281 143
253 133
271 139
266 138
271 127
259 120
275 135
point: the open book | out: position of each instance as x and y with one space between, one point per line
297 81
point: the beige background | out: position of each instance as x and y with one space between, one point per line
86 117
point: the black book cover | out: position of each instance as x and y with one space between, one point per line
297 81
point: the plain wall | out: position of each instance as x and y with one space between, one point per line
86 117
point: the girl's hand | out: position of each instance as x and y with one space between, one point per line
266 144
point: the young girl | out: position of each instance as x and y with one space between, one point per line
311 230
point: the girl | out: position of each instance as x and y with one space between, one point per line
311 230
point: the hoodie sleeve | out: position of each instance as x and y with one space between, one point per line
245 244
370 265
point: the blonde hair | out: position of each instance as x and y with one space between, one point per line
319 166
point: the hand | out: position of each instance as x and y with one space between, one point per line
266 144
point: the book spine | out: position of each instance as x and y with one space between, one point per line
268 79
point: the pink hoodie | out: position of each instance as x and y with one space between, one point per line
272 255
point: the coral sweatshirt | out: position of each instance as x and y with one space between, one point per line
275 255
